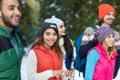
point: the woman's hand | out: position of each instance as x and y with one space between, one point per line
58 74
67 72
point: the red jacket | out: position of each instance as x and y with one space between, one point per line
47 59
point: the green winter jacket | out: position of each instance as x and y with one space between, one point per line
9 61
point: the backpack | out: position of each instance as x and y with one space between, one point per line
79 63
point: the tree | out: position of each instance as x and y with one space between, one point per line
77 15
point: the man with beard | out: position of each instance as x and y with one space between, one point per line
11 48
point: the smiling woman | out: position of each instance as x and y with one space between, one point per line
49 38
101 59
45 59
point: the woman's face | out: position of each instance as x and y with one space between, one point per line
62 30
109 18
109 40
49 37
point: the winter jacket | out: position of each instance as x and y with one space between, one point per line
82 50
117 65
78 43
10 61
99 66
46 62
66 42
81 61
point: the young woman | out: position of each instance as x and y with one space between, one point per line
101 59
64 42
45 59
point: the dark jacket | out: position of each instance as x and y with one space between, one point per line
10 62
117 65
85 48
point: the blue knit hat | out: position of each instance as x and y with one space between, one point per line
103 32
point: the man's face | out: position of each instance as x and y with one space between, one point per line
10 13
109 18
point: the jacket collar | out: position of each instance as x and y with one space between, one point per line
103 52
4 31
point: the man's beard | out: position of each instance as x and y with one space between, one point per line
7 22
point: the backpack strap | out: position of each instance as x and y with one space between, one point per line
94 28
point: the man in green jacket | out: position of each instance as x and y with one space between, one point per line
11 48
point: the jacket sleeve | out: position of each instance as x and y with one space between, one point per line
117 64
85 48
92 59
32 68
67 62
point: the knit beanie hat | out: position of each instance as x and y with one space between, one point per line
103 32
104 9
55 20
89 31
46 25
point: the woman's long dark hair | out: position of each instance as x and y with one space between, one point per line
68 47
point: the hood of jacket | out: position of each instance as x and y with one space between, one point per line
4 31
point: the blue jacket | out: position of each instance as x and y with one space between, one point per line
80 61
92 59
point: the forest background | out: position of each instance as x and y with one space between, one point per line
76 14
